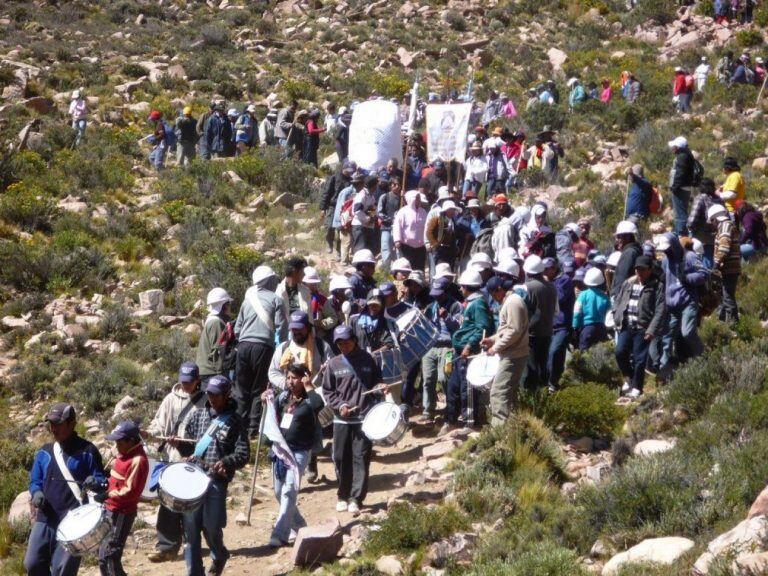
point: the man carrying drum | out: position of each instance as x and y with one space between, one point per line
346 380
221 447
175 408
54 483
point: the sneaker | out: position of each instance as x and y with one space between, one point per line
312 477
292 536
634 393
353 508
275 542
341 506
551 389
217 568
626 387
163 556
447 428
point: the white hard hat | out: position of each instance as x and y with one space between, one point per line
533 265
233 112
401 265
443 270
716 210
450 205
217 295
251 108
572 81
594 277
626 227
443 193
311 276
698 247
481 260
473 203
339 283
613 259
262 273
470 278
76 94
508 253
508 267
679 142
573 227
662 243
363 256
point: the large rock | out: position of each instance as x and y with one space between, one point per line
39 104
750 564
123 407
317 544
760 164
749 536
556 58
650 447
389 565
760 505
21 510
151 300
654 551
440 449
286 199
13 322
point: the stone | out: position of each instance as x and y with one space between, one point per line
406 58
39 104
123 406
723 36
663 551
692 38
750 564
440 464
13 322
72 204
596 472
232 176
193 330
317 544
556 58
389 565
21 510
439 449
176 71
241 519
748 536
73 330
114 348
286 199
650 447
472 45
457 548
151 300
87 319
599 549
34 340
760 164
167 321
301 207
406 10
331 161
129 88
583 444
141 19
760 505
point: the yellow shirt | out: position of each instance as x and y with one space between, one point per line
734 183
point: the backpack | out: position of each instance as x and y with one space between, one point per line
346 216
483 243
227 348
698 173
656 205
749 74
170 135
711 293
690 82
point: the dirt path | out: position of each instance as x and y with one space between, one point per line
248 544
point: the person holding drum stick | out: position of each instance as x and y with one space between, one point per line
176 407
346 380
58 469
222 447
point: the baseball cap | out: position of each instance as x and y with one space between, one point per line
299 320
126 429
387 289
218 385
374 297
439 286
342 332
189 372
549 262
643 262
495 283
60 412
500 199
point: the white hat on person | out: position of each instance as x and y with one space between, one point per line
594 277
716 210
217 296
262 273
533 265
470 278
401 265
508 253
626 227
509 267
311 276
613 259
363 256
450 205
481 260
443 270
339 282
679 142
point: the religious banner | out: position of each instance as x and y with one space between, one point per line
447 128
374 134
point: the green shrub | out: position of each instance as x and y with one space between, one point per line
27 207
749 37
106 382
543 559
598 364
585 410
133 70
166 349
116 324
215 35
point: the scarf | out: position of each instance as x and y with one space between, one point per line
300 354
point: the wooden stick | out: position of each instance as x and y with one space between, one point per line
256 463
377 390
183 440
760 94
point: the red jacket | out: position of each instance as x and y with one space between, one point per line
679 86
126 481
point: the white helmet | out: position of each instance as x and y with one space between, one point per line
716 210
481 260
573 227
262 273
311 276
217 296
443 270
626 227
507 253
508 267
339 283
613 259
471 278
594 277
443 193
533 265
401 265
363 256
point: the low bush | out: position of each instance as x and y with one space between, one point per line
585 410
542 559
598 364
28 207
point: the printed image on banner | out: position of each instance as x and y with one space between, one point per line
447 127
374 134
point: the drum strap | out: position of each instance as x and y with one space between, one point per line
58 454
205 441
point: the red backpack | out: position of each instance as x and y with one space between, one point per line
656 205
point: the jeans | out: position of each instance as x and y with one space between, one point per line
591 335
210 519
79 127
457 397
708 258
432 372
170 530
681 201
185 153
505 387
111 549
362 238
682 336
157 156
352 459
632 354
558 348
684 102
473 185
538 375
387 248
253 360
45 557
729 309
288 518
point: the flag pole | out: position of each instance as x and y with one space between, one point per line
256 463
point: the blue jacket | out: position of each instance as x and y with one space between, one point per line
344 195
683 272
591 307
639 198
566 297
217 134
82 459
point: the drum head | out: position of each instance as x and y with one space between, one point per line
406 319
184 481
79 522
482 370
381 420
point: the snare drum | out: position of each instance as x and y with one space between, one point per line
384 424
390 361
417 335
182 487
481 370
83 529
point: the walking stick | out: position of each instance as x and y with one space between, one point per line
256 463
760 94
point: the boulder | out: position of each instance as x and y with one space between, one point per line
389 565
13 322
750 564
760 164
72 204
39 104
650 447
21 510
406 58
556 58
760 505
176 71
286 199
749 536
654 551
318 543
440 449
472 45
131 87
73 330
151 300
122 407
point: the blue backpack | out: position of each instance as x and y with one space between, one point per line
170 135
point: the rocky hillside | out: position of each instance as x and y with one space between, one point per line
104 264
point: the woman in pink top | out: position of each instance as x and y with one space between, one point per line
408 230
607 92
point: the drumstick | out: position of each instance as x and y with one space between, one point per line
185 440
377 389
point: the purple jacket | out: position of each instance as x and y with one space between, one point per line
683 272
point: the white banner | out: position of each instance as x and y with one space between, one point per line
447 129
374 134
279 445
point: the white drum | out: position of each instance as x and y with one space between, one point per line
416 334
481 370
83 529
384 424
182 486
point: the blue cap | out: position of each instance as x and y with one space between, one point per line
569 265
342 332
579 275
189 372
299 320
218 385
439 286
384 177
495 283
387 289
549 262
126 429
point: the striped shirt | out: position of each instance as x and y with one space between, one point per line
633 305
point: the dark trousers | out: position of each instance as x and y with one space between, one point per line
352 460
45 557
558 349
537 375
330 238
111 549
632 354
253 360
408 392
729 310
457 400
362 238
416 256
592 334
170 530
446 254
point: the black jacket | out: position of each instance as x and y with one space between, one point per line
682 171
651 308
346 378
626 266
333 185
300 435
